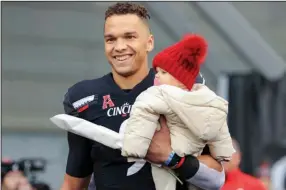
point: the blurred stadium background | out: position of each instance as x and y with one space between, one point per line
48 46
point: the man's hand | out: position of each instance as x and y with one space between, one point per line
160 147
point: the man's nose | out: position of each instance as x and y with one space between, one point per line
120 45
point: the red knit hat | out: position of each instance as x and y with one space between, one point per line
183 59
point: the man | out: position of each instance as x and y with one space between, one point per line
235 178
108 100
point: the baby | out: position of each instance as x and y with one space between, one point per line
195 115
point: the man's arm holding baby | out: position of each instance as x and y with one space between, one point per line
204 171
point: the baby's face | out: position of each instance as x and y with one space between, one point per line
163 77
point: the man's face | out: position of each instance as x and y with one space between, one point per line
127 43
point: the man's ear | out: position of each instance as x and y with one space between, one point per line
150 44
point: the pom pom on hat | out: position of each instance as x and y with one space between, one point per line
195 48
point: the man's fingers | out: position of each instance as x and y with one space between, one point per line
163 119
163 124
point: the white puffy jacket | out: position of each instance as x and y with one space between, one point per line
195 118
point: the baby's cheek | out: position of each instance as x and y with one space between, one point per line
156 82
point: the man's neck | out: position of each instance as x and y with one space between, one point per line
131 81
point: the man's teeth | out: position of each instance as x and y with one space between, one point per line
122 58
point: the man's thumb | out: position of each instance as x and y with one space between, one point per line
163 123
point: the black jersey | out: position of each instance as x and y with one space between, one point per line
102 102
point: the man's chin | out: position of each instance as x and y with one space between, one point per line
124 72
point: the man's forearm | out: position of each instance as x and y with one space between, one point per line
74 183
200 174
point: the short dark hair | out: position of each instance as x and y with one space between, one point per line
127 8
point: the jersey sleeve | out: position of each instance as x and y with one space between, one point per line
79 162
68 107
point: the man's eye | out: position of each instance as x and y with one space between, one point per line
130 37
109 40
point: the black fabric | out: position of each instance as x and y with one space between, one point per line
189 167
206 151
87 157
79 162
256 117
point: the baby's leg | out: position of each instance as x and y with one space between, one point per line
163 179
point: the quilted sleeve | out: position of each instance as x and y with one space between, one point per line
143 122
221 146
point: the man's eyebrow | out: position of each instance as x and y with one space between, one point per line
108 36
130 33
125 34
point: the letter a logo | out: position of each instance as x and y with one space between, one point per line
107 102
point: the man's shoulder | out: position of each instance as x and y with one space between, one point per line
88 86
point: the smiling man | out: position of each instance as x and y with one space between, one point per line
127 43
